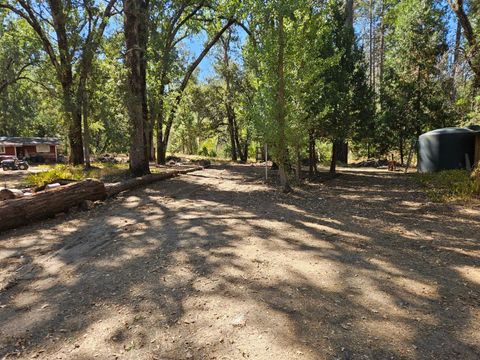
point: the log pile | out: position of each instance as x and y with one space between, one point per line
371 163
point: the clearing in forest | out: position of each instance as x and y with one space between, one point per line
218 265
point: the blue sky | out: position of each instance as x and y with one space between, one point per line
196 44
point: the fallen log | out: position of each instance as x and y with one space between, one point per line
8 194
116 188
45 204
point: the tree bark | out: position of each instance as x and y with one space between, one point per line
456 55
86 131
401 149
342 152
46 204
349 14
371 46
382 51
473 55
311 153
282 152
298 170
136 36
234 143
333 162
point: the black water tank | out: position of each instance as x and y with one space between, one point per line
445 149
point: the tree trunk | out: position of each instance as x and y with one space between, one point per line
402 149
456 53
46 204
298 167
342 152
282 152
244 151
86 131
136 18
311 153
64 70
75 137
160 115
382 51
349 14
473 53
231 131
333 162
371 46
237 139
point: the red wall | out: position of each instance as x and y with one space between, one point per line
9 150
32 151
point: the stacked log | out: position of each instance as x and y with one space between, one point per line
45 204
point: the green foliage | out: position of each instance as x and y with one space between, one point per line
330 91
203 152
449 185
68 172
415 94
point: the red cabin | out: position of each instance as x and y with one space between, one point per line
35 149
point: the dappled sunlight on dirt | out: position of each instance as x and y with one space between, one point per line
217 264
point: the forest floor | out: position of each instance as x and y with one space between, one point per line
218 265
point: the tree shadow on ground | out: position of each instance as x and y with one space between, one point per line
217 264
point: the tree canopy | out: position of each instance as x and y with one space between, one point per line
366 77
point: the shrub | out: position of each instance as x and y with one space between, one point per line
68 172
203 152
450 185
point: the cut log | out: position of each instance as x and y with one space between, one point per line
8 194
45 204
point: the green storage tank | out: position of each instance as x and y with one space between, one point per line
445 149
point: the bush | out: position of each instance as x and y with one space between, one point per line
64 172
68 172
450 185
203 152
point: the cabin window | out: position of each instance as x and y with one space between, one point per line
2 149
43 148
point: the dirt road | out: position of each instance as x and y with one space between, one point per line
16 178
217 265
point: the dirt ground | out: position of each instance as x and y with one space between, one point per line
16 178
218 265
